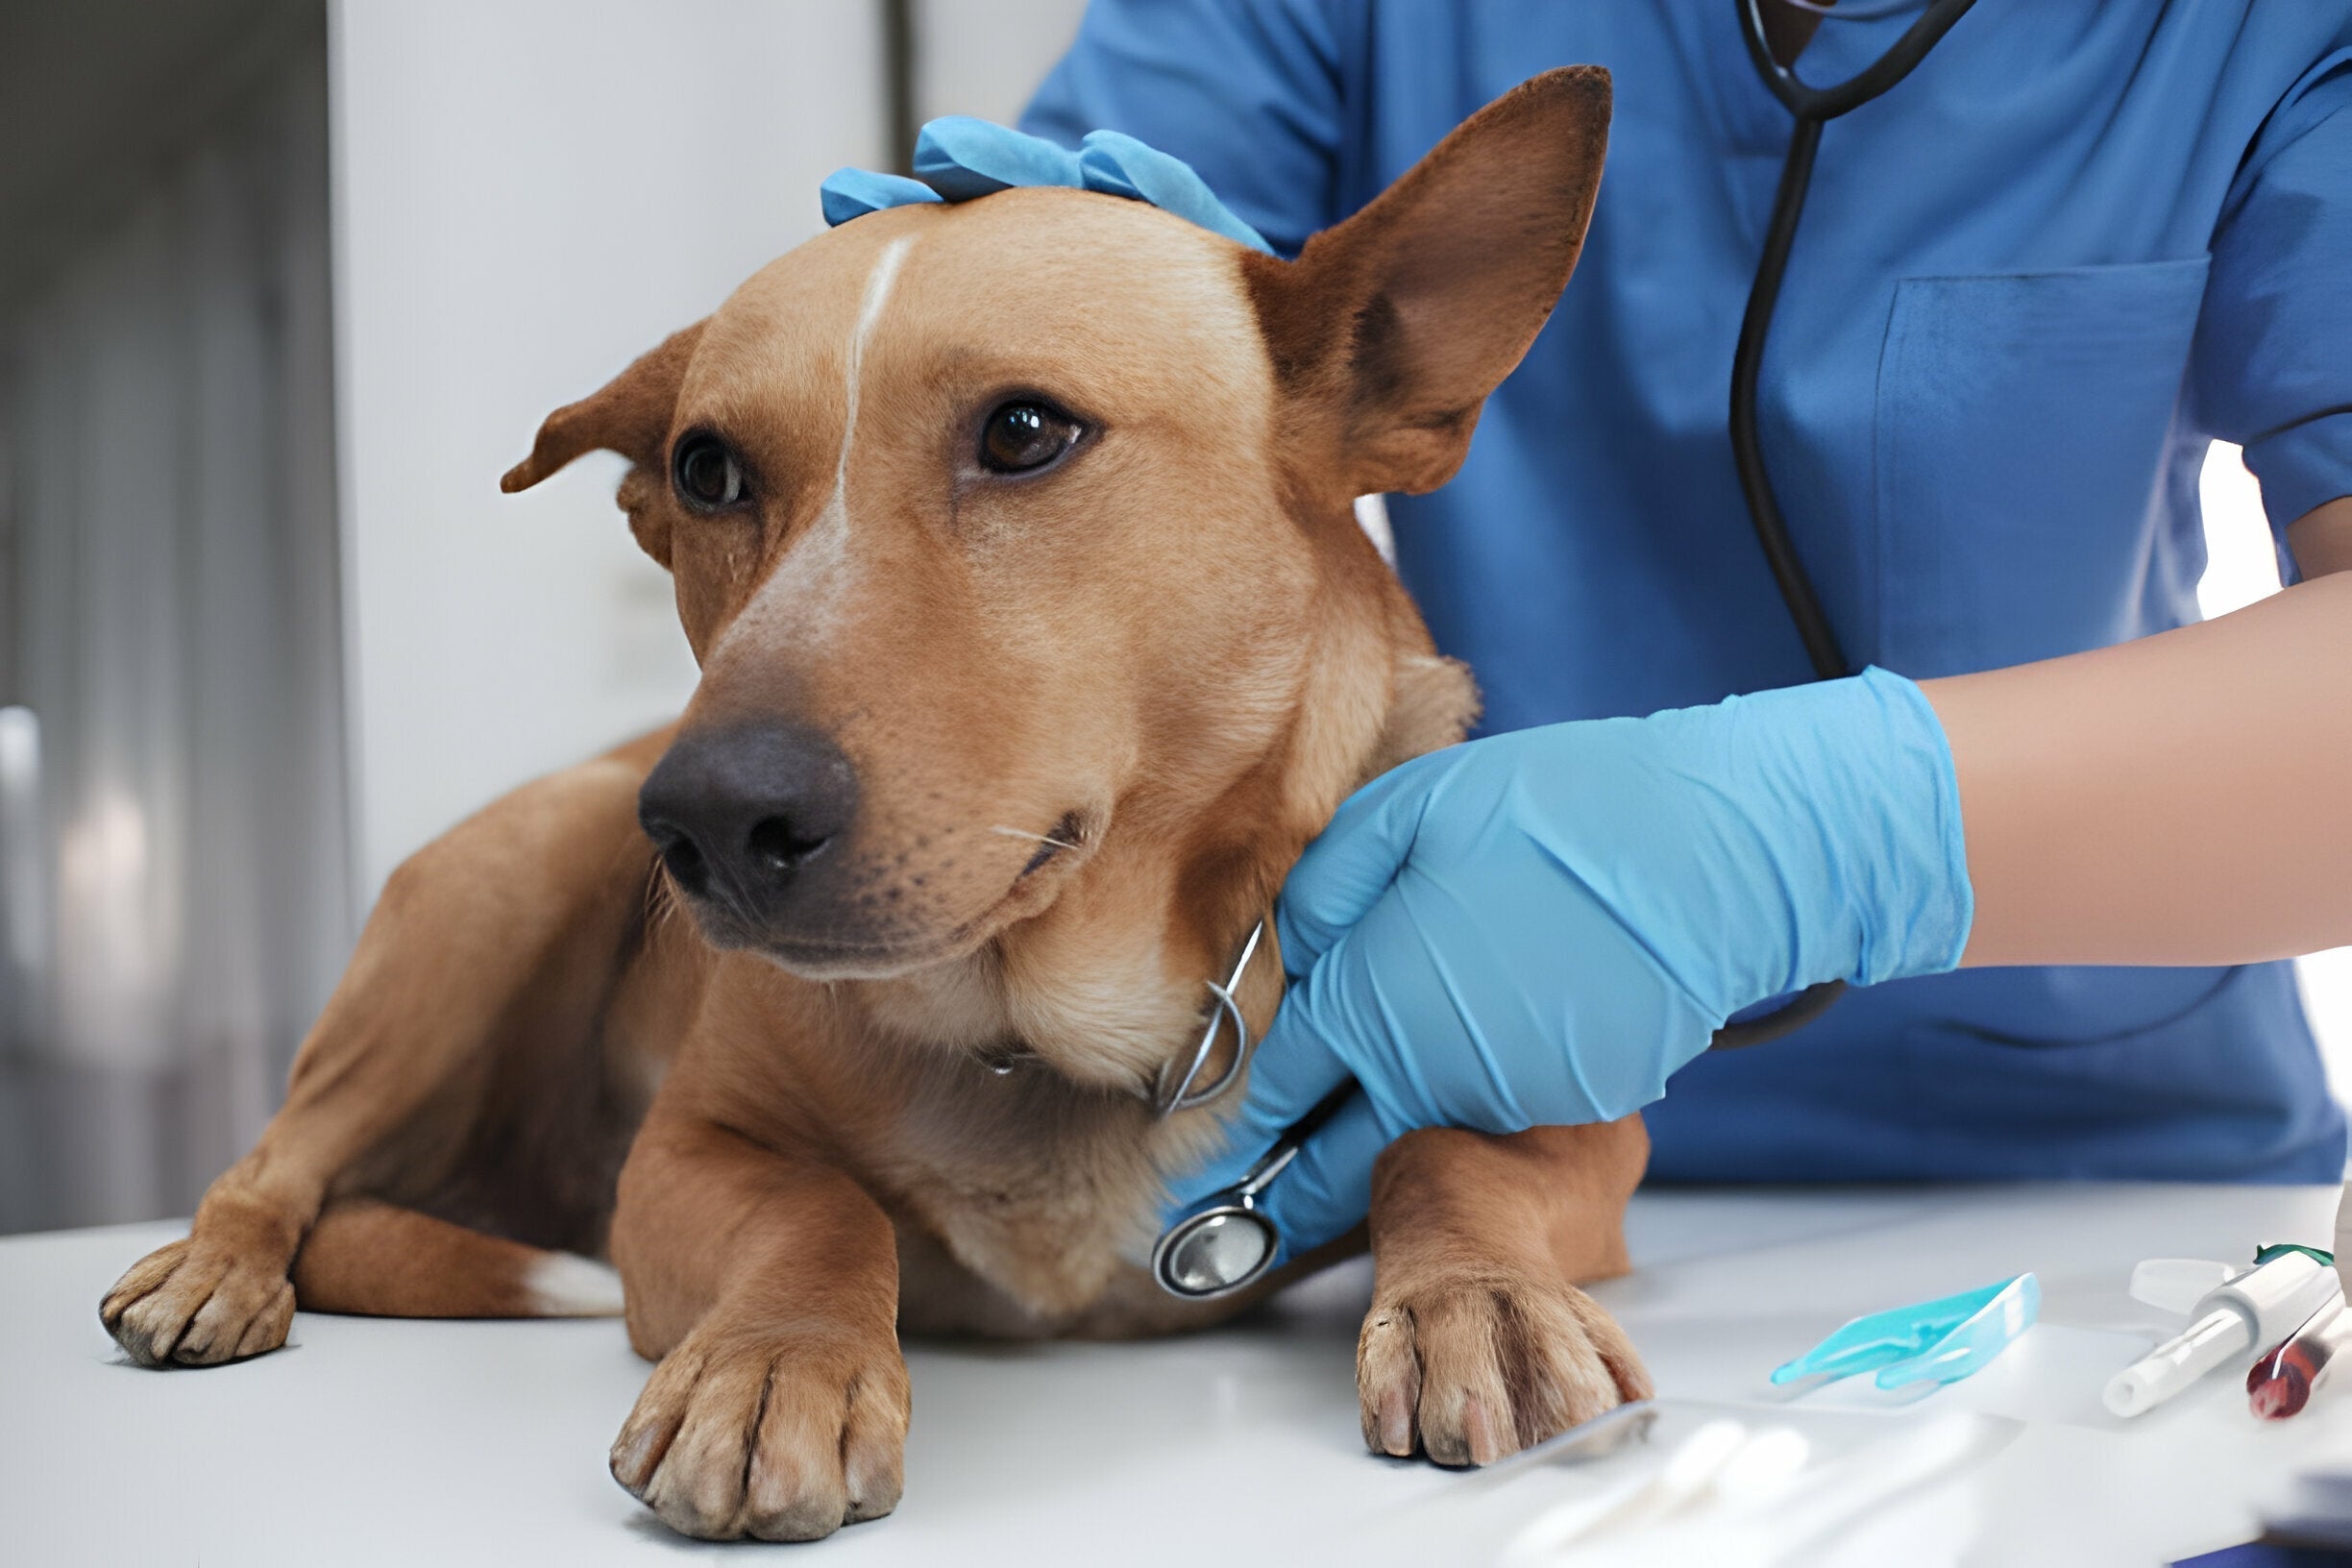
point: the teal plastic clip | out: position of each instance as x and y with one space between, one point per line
1942 1341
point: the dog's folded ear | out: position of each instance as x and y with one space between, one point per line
630 415
1390 328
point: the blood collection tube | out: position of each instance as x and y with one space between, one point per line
2255 1308
2283 1381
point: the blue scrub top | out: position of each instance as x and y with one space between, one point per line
2032 284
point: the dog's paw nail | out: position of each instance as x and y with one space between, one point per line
1478 1433
633 1457
1396 1423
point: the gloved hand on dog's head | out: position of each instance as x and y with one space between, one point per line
959 158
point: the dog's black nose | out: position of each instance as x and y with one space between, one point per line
738 812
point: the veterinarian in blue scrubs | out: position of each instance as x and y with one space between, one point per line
2032 284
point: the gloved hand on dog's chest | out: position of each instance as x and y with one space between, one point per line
1536 928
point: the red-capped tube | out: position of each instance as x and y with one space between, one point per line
2282 1382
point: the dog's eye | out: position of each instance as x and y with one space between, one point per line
1024 435
707 474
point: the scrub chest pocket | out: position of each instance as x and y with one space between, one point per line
2023 425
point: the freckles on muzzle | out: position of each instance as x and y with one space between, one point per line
765 830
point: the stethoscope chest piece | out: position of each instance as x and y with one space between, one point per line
1227 1243
1214 1251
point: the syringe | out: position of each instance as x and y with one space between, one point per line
2259 1306
2283 1381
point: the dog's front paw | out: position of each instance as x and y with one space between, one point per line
192 1304
783 1436
1470 1370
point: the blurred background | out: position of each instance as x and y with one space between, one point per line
285 286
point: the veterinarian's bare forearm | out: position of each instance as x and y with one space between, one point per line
2321 539
2176 799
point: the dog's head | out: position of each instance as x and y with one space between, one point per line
1012 531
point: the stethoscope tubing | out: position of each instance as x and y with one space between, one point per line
1902 57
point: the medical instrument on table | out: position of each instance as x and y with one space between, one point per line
2258 1306
2282 1382
1722 1461
1942 1340
1726 1496
2343 1238
2177 1285
1605 1433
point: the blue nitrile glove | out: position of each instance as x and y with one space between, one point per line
1537 927
959 158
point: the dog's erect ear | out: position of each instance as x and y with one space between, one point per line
1389 330
629 416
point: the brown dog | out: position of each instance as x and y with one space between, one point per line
1037 637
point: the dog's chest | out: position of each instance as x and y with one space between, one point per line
1021 1203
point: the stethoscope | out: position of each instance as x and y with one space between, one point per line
1226 1242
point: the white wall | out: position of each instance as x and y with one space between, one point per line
529 194
987 59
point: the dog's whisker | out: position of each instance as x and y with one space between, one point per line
1024 833
661 898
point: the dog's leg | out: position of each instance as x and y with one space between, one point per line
378 1259
461 934
767 1285
1479 1343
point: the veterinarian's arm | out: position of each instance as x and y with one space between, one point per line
2172 800
1538 927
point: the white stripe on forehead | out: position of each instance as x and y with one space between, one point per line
813 572
869 311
